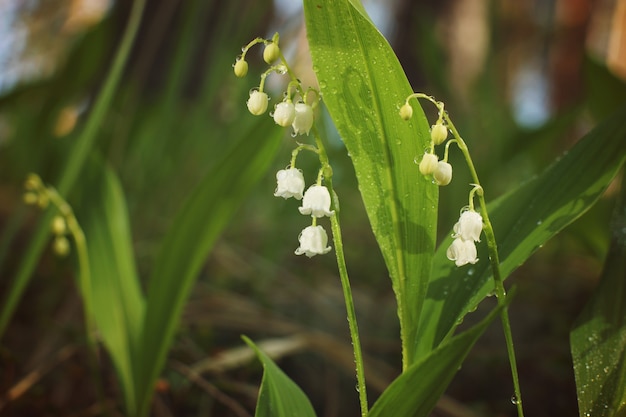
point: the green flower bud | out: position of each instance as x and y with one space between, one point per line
241 68
428 164
438 133
406 111
59 227
61 246
271 52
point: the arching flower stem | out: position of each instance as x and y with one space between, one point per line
493 259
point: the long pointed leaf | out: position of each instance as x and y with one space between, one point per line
416 391
191 237
599 336
523 220
279 396
363 86
115 297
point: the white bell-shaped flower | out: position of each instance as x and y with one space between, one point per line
313 241
303 121
257 103
462 252
443 173
284 113
316 202
289 183
469 226
428 165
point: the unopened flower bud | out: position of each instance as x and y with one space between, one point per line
284 113
303 121
31 198
271 53
32 182
438 133
257 103
61 246
241 68
59 227
406 111
443 173
428 164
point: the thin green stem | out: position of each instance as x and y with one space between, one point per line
495 266
343 274
84 274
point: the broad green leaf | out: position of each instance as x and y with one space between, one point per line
523 220
279 396
363 86
598 339
115 297
193 233
416 391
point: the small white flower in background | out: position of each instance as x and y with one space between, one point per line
428 164
313 240
290 183
469 226
257 103
443 173
462 252
438 133
284 113
316 202
303 120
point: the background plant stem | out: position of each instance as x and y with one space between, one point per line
73 165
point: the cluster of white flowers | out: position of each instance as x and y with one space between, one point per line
299 115
316 201
466 231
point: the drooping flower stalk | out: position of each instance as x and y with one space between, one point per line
320 199
463 250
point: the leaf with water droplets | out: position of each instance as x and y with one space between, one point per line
598 339
364 85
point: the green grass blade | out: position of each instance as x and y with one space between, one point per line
279 396
193 233
523 220
598 339
115 299
363 86
416 391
